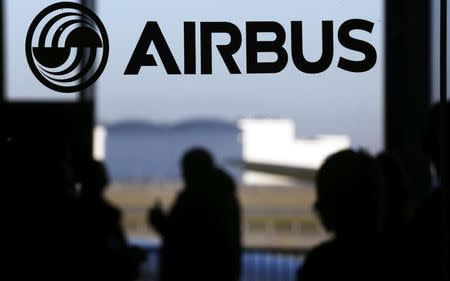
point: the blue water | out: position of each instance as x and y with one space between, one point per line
152 154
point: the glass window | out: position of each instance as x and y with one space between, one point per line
435 34
272 119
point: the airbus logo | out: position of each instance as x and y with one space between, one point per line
67 47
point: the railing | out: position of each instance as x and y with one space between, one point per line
258 264
271 264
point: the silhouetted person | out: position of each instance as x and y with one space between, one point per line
105 253
430 227
348 189
201 234
38 181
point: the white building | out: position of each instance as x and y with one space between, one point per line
273 143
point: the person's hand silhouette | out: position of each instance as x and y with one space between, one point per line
156 216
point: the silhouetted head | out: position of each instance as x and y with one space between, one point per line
197 163
348 187
95 179
432 137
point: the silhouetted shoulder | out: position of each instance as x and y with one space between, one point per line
316 261
335 260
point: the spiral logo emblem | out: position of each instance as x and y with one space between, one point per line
67 47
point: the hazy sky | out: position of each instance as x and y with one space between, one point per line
333 102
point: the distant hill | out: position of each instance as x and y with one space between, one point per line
205 124
141 126
133 126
